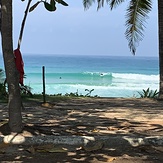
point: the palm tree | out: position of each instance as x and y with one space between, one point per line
12 75
136 15
160 24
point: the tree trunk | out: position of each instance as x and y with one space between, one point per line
12 75
160 26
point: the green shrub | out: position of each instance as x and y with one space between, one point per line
76 94
148 93
26 90
3 93
89 92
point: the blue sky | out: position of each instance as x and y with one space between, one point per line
72 30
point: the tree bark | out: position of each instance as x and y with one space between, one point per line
12 75
160 33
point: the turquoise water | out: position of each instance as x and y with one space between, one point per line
109 76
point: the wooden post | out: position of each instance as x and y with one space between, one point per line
43 79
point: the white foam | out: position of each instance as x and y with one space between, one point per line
136 76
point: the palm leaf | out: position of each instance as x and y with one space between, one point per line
136 15
34 6
155 93
114 3
62 2
87 3
100 4
150 94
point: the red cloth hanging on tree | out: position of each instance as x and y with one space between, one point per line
19 65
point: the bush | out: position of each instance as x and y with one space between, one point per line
25 90
3 93
148 93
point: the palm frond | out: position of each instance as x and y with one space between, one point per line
114 3
87 3
137 13
100 4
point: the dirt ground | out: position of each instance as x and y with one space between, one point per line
89 117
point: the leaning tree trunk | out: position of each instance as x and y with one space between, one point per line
12 75
160 26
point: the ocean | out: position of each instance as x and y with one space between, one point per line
104 76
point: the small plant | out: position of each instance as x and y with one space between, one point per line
89 92
148 93
25 90
3 92
76 94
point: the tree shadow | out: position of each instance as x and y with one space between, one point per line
95 117
112 153
4 129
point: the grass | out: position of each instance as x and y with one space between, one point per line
49 98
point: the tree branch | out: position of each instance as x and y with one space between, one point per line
23 24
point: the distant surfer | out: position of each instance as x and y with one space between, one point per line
101 74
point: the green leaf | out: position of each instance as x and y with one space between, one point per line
52 3
62 2
115 3
137 13
50 7
88 3
34 6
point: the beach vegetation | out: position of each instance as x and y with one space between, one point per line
59 96
52 98
3 93
76 94
148 93
25 90
89 92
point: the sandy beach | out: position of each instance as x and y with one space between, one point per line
90 117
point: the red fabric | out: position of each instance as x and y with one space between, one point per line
19 65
